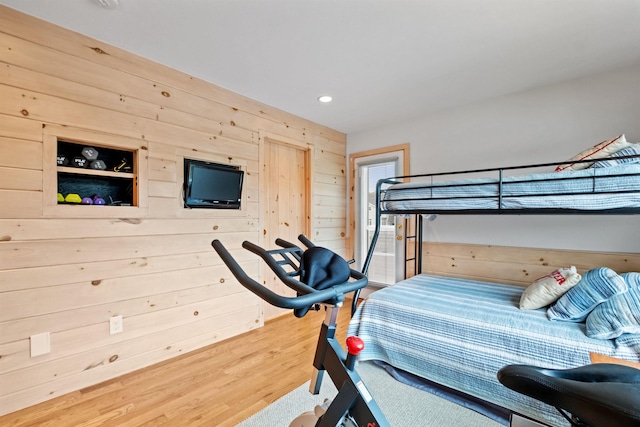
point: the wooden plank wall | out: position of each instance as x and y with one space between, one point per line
515 266
69 275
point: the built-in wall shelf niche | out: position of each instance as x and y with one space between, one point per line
91 174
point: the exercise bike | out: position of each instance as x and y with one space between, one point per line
598 395
320 277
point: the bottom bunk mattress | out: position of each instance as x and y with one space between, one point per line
459 333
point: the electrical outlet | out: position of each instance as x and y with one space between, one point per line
40 344
115 325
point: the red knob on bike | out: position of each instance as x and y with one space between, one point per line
354 345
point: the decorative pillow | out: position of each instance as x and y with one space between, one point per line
618 315
632 279
549 288
615 160
596 286
603 149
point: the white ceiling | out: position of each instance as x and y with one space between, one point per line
383 61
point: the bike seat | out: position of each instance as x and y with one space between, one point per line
599 395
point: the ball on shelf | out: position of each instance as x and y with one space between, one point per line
87 201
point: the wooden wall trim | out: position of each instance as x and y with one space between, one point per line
405 148
514 265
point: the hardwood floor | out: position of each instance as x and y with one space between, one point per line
219 385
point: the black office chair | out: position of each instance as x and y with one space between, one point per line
598 395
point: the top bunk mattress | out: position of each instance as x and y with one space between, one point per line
593 189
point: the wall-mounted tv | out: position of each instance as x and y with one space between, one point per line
212 185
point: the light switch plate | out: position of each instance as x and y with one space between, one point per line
40 344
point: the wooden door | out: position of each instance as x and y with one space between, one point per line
286 204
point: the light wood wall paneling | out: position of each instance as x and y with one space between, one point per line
183 107
331 157
327 145
162 170
165 189
328 222
329 201
17 329
115 366
41 277
86 338
340 180
328 167
49 35
74 268
39 253
20 128
20 179
516 266
46 108
77 295
124 87
21 204
328 190
330 211
20 153
52 229
336 234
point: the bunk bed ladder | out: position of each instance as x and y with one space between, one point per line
416 237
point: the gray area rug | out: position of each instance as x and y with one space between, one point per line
403 405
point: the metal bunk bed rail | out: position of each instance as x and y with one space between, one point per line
498 196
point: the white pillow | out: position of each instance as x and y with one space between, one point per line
549 288
603 149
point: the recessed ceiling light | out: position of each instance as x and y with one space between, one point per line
325 98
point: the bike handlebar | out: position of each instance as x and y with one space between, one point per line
333 295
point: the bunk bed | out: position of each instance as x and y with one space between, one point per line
450 336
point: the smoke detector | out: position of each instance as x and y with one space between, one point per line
108 4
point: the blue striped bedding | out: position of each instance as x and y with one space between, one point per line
587 189
459 333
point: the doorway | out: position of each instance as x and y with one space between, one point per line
387 264
285 186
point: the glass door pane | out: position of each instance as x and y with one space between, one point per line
386 265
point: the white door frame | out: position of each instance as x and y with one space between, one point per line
401 152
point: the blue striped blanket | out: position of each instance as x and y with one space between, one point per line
459 333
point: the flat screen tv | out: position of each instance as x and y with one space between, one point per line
212 185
